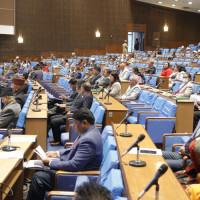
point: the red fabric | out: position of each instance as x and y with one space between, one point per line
194 155
46 69
76 141
167 72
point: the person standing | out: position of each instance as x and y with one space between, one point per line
125 47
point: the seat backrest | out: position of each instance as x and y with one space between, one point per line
94 106
169 109
177 85
151 99
143 96
159 104
196 88
99 114
114 183
108 130
110 161
109 144
153 81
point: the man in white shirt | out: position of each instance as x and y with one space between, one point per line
133 90
124 73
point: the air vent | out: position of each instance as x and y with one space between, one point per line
186 8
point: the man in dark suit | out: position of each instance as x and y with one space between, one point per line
104 81
96 74
84 99
37 74
84 155
17 88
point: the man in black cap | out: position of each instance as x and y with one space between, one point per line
11 109
96 73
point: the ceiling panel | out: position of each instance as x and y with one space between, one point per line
177 4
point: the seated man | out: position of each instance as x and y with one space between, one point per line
84 155
84 99
26 84
104 81
124 72
89 74
11 110
133 90
175 159
150 69
96 74
187 88
17 88
77 74
91 191
37 74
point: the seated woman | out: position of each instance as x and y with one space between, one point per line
187 88
115 86
167 70
178 73
136 72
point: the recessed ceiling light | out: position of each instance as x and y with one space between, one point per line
190 2
199 11
173 5
160 2
176 0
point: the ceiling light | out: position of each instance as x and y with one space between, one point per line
165 28
173 5
190 2
160 2
98 34
199 11
20 39
176 0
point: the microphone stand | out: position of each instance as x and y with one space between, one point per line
36 110
102 95
126 134
137 163
157 190
108 103
9 147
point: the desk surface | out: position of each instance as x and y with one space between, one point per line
115 106
137 178
10 168
43 108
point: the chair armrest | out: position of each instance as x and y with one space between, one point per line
134 104
185 158
60 193
98 125
136 108
176 145
68 144
85 173
198 178
124 100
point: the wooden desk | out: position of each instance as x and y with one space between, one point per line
56 70
115 112
197 78
11 172
137 178
36 87
165 84
124 85
56 77
184 112
36 122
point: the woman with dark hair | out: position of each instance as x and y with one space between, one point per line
166 70
136 71
115 86
178 73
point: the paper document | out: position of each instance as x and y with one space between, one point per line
35 164
23 139
40 152
146 151
12 154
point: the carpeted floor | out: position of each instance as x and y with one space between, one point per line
52 148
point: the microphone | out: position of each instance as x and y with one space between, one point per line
125 118
107 93
172 86
8 133
135 144
38 91
154 181
149 79
10 126
160 83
